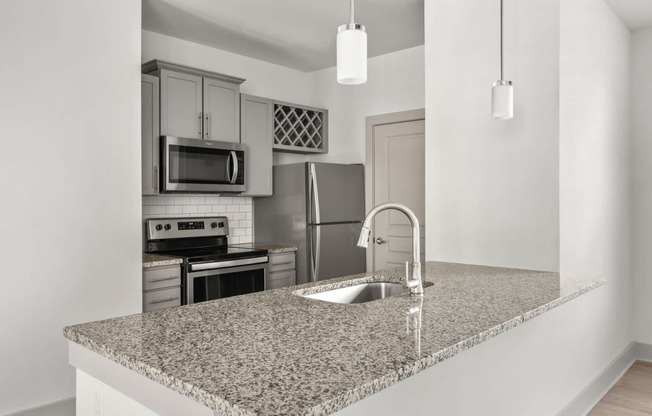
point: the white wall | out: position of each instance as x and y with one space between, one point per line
595 176
69 172
395 82
485 176
492 186
642 190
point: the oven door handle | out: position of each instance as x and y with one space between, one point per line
196 267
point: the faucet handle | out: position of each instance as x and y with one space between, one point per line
409 281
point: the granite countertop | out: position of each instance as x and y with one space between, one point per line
276 353
155 260
271 248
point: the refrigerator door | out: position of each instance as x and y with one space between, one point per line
335 193
333 251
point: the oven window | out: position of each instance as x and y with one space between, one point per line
228 284
198 165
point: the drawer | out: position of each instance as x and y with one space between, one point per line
282 261
160 277
161 298
281 279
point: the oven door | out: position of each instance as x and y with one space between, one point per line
217 280
192 165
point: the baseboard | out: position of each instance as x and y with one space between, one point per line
591 394
64 407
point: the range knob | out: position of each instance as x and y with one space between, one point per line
159 227
221 225
213 225
168 227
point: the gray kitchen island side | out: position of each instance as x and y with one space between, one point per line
278 353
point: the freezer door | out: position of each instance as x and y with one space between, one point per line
333 251
335 193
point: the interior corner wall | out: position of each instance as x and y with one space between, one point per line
641 71
595 175
492 187
69 173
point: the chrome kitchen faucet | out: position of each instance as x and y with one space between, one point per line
414 282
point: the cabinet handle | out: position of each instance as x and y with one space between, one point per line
208 126
200 122
154 302
281 263
160 279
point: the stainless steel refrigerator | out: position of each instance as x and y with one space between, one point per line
319 207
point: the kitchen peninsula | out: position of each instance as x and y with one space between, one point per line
278 353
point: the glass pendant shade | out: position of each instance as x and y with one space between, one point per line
351 54
502 100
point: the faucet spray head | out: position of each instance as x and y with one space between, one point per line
363 241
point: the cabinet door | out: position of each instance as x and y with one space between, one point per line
221 111
149 111
257 134
181 104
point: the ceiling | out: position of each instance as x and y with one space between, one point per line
298 34
637 14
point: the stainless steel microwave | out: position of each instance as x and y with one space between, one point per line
196 166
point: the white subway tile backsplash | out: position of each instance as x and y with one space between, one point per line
238 210
181 200
197 200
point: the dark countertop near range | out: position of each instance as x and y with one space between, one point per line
276 353
156 260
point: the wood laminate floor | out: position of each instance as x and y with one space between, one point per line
631 396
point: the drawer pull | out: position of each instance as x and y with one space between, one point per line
161 279
163 300
282 263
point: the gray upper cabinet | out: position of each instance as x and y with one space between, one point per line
257 134
149 88
196 103
221 116
181 104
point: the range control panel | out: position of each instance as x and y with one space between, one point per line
165 228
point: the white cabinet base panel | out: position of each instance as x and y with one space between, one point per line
105 388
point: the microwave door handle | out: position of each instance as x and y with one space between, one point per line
234 158
228 167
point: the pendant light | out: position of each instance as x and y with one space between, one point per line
351 53
502 93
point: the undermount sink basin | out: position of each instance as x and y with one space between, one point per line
364 292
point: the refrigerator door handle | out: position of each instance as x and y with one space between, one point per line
315 252
315 196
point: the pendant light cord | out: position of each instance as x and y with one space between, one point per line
501 40
352 21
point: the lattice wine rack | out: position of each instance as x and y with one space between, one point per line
300 129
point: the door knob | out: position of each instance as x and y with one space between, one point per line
380 241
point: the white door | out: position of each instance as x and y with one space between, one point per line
398 165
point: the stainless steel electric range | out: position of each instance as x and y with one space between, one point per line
210 269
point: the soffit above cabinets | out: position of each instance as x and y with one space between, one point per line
298 34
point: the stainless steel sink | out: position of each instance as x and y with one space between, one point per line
364 292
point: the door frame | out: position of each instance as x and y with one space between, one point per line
369 172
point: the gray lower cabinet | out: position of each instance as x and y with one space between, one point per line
256 132
195 103
161 287
149 90
281 271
